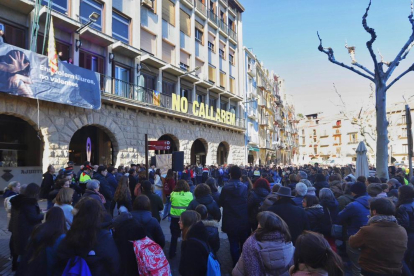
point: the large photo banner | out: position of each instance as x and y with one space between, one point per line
25 73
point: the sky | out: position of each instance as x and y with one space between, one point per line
282 34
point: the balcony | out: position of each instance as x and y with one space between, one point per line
185 41
252 113
129 93
212 16
264 122
233 35
253 139
232 11
251 70
201 8
23 6
188 3
199 51
149 19
167 31
223 27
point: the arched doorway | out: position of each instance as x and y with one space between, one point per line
174 146
222 153
20 145
199 152
101 147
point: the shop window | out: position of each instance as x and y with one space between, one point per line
87 7
120 27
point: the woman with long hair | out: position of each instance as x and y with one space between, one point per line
25 215
122 195
194 247
269 250
330 212
40 258
180 199
314 256
89 241
64 201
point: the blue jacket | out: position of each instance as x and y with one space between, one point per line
233 199
212 206
112 182
405 216
152 227
355 214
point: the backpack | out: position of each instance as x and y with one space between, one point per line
150 258
77 266
213 265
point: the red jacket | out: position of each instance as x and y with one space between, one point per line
169 186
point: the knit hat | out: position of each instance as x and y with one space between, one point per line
359 188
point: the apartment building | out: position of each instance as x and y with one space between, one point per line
172 69
265 114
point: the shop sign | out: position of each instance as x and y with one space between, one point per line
202 110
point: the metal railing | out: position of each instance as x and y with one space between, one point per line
232 34
141 94
201 7
213 16
223 26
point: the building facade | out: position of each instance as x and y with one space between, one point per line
268 127
169 69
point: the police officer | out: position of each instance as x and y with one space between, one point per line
85 177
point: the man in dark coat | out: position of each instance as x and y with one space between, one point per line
320 182
105 188
233 199
294 216
355 215
156 201
47 185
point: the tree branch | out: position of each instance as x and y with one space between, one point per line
330 53
411 68
405 49
371 31
364 68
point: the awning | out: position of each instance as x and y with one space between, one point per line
253 148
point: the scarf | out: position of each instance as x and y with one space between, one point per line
316 206
101 196
252 260
382 218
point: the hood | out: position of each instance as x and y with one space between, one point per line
142 217
211 223
261 192
335 183
205 200
198 231
236 188
21 200
328 203
276 254
364 200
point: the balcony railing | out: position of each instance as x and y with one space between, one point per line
212 16
201 7
141 94
232 34
223 26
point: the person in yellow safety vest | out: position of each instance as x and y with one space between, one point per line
180 199
85 177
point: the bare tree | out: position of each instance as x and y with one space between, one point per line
380 78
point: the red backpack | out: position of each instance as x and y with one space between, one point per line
150 258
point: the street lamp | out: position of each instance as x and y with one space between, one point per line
93 17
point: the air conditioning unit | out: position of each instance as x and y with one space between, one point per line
148 3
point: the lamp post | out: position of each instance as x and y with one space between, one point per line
93 17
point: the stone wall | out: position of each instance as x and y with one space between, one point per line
125 127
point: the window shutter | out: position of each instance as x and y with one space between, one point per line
212 74
199 26
185 23
168 12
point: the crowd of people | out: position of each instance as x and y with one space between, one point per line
304 220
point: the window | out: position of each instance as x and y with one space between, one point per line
149 4
184 66
211 46
231 24
149 81
120 27
404 132
200 98
15 36
168 11
232 85
231 59
315 151
57 5
212 102
221 53
122 81
91 62
185 23
168 88
62 49
87 7
223 78
186 93
353 138
403 119
405 148
303 140
199 35
223 105
211 74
